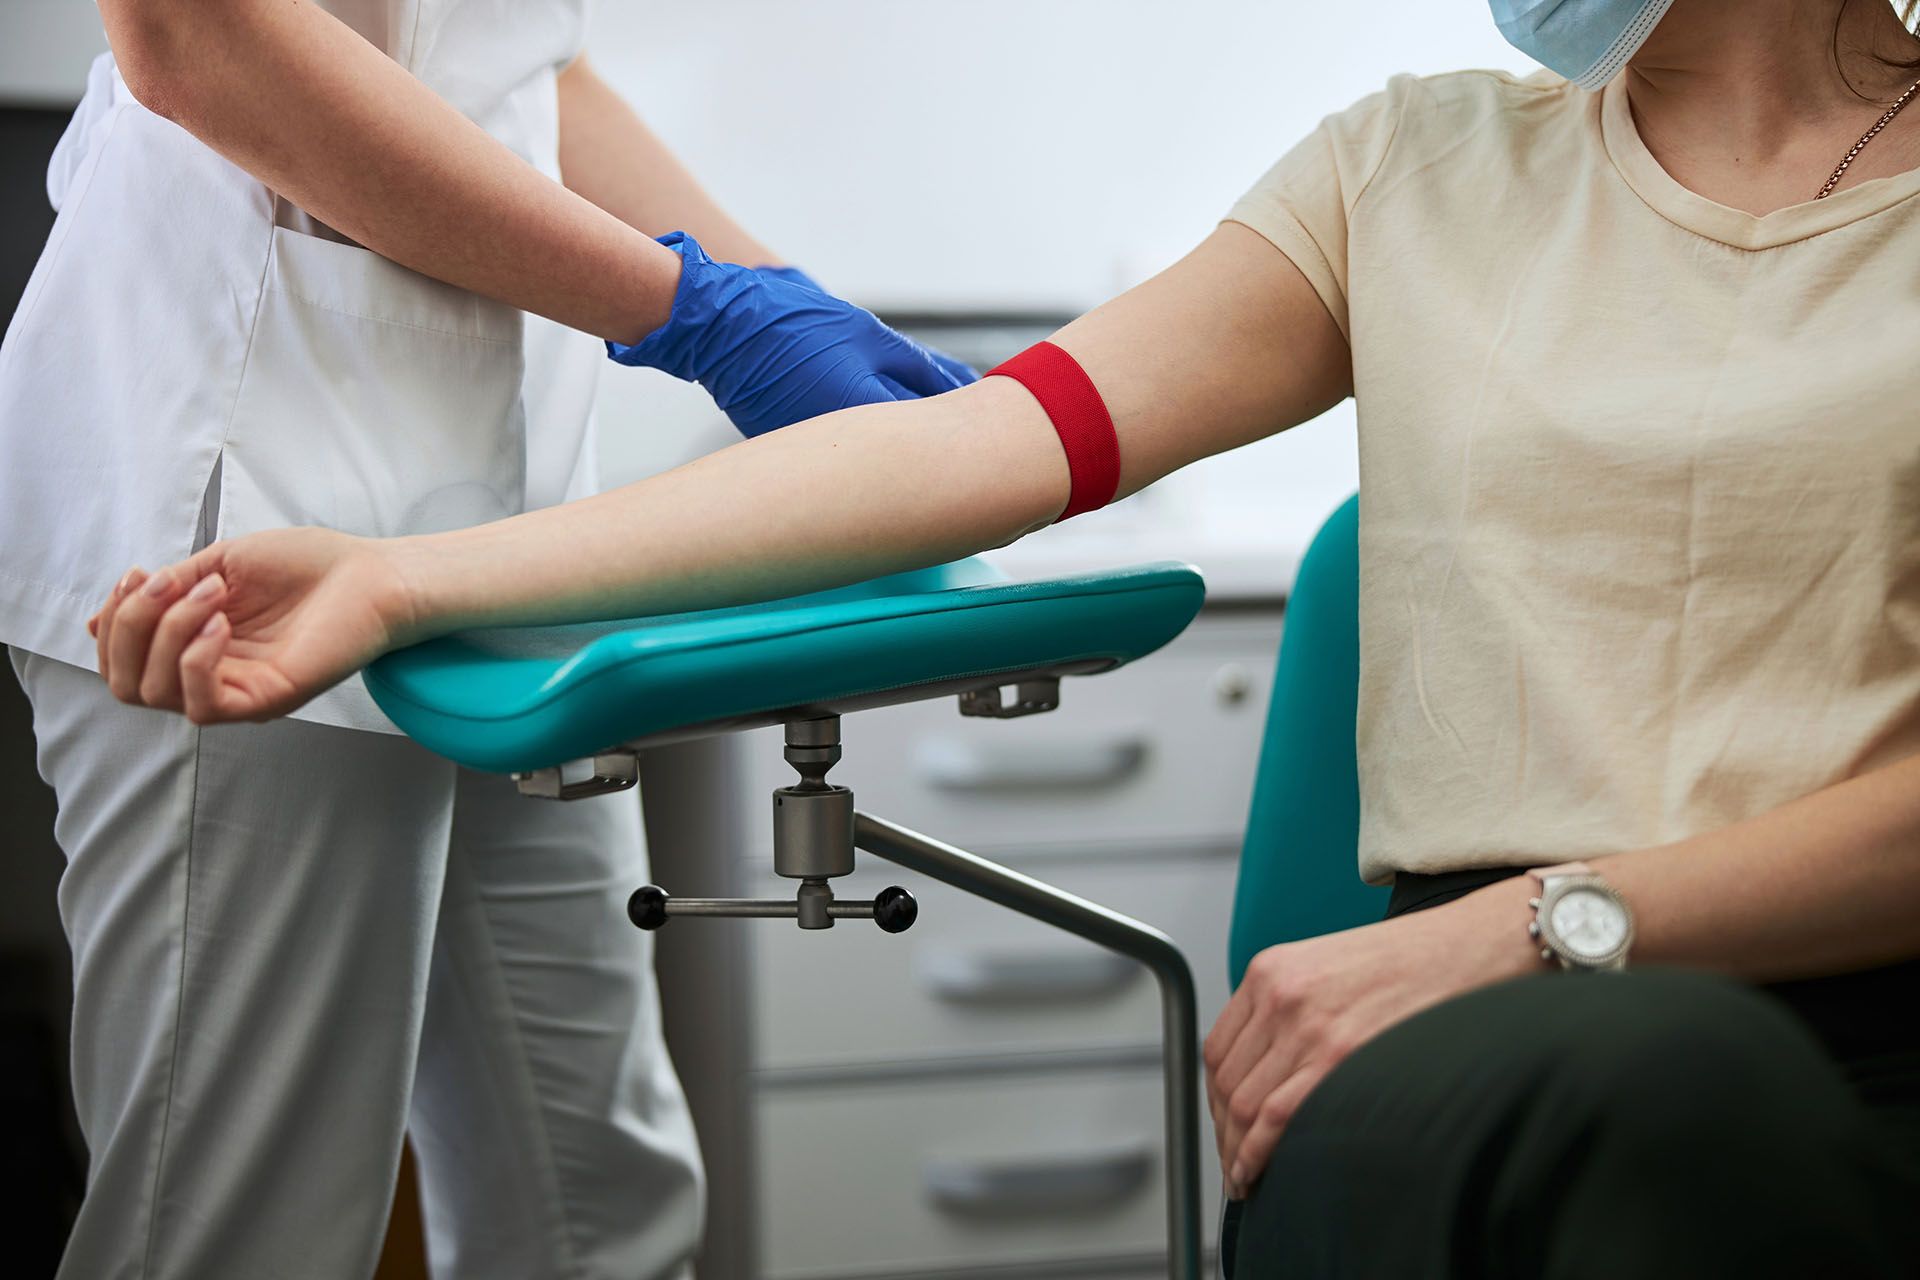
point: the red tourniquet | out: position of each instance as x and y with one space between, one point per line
1080 417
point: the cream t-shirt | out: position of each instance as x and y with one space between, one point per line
1639 473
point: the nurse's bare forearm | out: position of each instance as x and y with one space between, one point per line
850 496
610 156
297 99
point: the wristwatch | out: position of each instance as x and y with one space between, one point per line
1579 919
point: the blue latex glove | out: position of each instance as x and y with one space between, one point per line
773 352
958 368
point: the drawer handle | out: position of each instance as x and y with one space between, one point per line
970 976
1037 1184
956 765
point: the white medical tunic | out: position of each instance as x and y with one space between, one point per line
194 357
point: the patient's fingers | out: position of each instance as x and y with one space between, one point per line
1249 1104
1219 1042
1256 1148
133 625
1219 1115
1226 1028
178 626
1256 1038
200 671
129 581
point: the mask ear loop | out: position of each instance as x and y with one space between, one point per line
1080 418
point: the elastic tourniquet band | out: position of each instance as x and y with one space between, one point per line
1080 417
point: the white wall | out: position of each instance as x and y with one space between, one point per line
996 153
960 152
45 46
986 152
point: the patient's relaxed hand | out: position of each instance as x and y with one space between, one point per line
1304 1006
252 628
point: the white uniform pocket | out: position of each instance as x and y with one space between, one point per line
374 400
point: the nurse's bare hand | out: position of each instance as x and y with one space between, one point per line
252 628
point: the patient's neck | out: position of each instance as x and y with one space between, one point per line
1753 103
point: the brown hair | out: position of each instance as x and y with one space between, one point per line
1909 11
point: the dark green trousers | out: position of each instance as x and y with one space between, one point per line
1619 1127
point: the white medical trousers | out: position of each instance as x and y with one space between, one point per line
293 945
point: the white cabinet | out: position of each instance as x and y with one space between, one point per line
1154 757
971 980
941 1175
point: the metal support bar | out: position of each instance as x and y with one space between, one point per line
765 908
1179 1010
743 908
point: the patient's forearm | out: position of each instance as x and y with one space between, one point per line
1825 884
850 496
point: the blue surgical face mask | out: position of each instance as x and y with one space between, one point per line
1587 41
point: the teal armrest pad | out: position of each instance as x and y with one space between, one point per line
526 698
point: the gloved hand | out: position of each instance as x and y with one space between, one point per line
773 352
958 368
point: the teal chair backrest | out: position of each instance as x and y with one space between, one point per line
1299 873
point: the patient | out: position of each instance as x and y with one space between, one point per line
1640 553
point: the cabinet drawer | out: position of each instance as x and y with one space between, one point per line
878 1179
974 979
1160 751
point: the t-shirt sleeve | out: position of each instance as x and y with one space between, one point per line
1304 204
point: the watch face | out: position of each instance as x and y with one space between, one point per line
1591 925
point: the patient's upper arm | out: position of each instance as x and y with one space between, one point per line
1227 346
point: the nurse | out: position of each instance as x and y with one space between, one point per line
351 264
1633 351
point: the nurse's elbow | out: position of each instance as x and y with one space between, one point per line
154 44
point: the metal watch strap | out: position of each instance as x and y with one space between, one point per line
1545 876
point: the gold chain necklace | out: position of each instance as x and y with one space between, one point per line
1867 137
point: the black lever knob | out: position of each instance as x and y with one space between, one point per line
647 908
894 909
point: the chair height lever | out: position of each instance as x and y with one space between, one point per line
893 908
812 843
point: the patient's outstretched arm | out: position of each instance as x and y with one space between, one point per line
1229 345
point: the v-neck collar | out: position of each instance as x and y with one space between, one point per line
1715 221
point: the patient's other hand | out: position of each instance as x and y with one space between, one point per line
251 628
1304 1006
